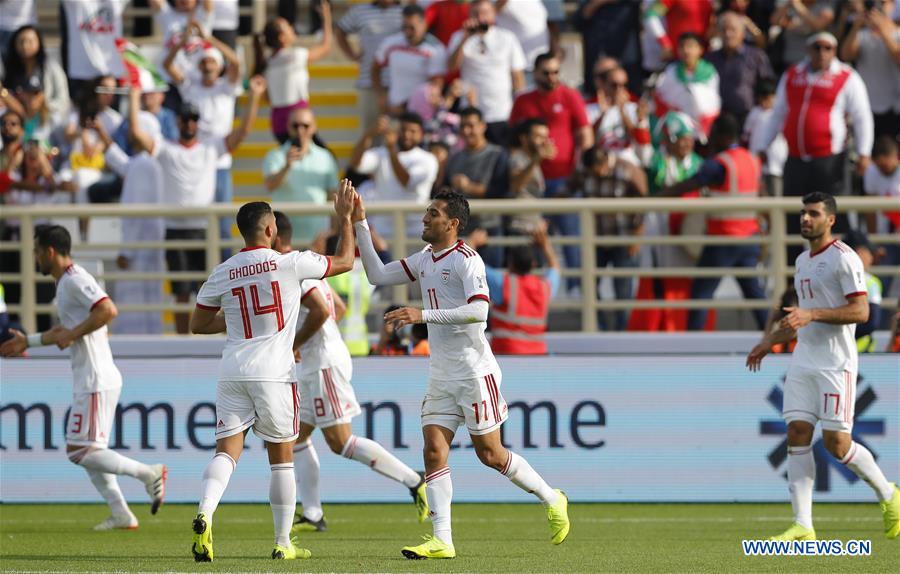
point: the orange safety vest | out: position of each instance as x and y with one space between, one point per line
741 181
519 324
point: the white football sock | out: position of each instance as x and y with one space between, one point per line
306 467
861 461
215 480
439 493
109 461
520 473
283 497
801 476
373 455
108 487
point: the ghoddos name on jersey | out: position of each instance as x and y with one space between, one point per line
248 270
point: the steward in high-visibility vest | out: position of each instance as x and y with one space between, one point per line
520 301
355 289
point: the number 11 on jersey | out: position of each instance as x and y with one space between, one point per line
432 299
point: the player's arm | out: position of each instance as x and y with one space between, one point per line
102 313
340 308
15 346
344 201
473 312
764 347
378 273
855 311
318 314
207 321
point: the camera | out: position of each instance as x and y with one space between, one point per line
872 4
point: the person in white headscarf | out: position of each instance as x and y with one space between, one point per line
142 183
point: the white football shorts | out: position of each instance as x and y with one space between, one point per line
813 395
477 402
271 409
91 418
327 397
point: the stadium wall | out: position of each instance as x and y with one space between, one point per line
647 428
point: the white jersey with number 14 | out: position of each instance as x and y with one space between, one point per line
258 290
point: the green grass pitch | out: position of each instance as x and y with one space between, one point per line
488 538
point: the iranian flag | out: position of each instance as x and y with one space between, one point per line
139 70
694 93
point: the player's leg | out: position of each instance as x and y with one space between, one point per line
800 413
278 410
306 469
485 411
87 438
234 416
441 416
341 441
839 402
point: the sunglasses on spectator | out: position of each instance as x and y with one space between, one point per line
822 47
11 124
551 72
298 125
617 85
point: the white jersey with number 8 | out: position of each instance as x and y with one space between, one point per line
258 290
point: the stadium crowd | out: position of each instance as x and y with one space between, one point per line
680 98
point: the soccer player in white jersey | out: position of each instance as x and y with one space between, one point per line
254 297
820 386
84 312
327 399
464 379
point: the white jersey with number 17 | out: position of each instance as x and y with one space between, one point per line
258 290
449 279
827 279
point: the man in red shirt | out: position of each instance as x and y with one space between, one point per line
563 109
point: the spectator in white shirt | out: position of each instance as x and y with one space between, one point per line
490 59
189 176
287 68
412 58
527 20
173 20
89 36
873 44
214 95
14 14
400 169
372 23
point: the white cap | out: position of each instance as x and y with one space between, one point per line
822 36
210 52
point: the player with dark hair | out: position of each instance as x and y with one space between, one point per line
85 310
820 386
464 381
254 297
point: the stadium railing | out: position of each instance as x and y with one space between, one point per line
774 269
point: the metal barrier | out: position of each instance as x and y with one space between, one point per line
774 272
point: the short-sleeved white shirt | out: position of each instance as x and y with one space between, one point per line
93 369
325 348
172 23
287 77
488 62
216 105
421 165
258 290
93 26
448 279
373 24
827 279
409 67
189 176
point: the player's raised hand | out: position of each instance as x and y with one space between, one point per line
15 346
796 318
359 211
404 316
344 199
754 359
